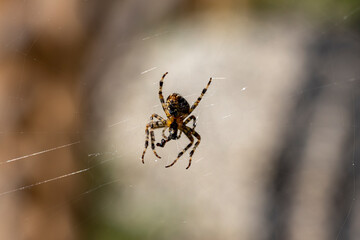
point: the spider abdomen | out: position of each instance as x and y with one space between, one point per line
177 105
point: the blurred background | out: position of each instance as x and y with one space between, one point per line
279 124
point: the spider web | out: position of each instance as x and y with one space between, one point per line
234 116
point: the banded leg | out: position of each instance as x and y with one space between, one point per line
161 95
157 117
195 146
146 141
163 132
192 117
199 98
164 140
188 134
153 142
152 132
179 135
151 125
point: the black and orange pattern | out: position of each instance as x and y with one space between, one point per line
177 111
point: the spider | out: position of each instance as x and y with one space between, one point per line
177 111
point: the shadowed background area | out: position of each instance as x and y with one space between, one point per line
279 123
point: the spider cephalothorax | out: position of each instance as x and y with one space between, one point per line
177 110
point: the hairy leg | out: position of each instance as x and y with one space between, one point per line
161 97
195 146
187 132
151 125
192 117
199 98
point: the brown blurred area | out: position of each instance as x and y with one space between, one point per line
43 45
279 124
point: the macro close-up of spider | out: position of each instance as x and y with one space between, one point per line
177 111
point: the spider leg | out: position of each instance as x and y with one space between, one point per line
151 125
195 146
161 95
163 132
192 117
179 135
187 132
153 142
157 117
164 140
152 132
199 98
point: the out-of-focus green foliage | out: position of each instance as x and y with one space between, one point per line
320 10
